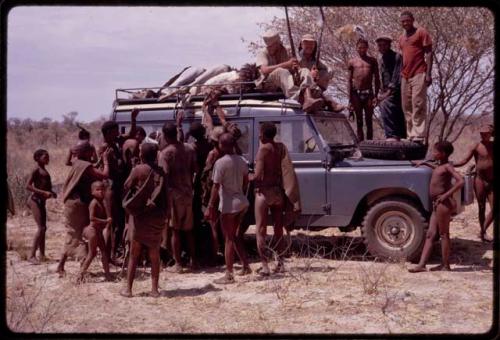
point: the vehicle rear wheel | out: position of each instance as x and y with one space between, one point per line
394 229
392 150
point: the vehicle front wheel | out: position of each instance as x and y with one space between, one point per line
394 229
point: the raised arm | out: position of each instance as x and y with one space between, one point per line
104 173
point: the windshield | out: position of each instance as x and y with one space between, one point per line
335 131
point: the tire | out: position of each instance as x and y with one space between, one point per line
394 229
392 150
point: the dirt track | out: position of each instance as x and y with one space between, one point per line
330 287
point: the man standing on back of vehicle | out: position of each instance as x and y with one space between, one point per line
277 70
389 99
363 72
416 47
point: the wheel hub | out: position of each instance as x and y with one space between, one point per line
394 229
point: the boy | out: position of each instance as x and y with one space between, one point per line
93 232
363 71
441 192
40 185
483 181
147 208
83 136
230 176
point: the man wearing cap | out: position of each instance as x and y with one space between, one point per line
389 98
319 71
483 181
416 48
276 70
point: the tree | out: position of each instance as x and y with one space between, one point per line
463 72
69 119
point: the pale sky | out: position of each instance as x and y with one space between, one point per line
62 59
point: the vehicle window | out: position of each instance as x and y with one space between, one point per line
296 135
334 131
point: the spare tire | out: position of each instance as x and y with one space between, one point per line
393 150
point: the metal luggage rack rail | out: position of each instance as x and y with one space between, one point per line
182 90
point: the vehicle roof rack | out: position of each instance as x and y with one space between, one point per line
254 98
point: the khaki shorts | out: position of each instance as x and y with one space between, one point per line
181 214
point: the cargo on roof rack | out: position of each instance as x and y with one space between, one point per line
260 99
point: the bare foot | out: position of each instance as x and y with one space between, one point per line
33 260
154 293
245 271
441 267
264 271
126 292
61 272
417 269
280 268
175 269
108 277
226 279
44 258
81 278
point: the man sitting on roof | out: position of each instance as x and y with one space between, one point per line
321 73
277 69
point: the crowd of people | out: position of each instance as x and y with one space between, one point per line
136 193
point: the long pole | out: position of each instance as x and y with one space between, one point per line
295 73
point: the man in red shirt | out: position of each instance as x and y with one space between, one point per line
416 48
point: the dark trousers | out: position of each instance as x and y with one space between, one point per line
393 116
363 102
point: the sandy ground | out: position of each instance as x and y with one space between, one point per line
330 287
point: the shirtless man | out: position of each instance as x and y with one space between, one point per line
363 72
230 177
93 232
269 194
441 191
40 185
483 181
178 160
113 141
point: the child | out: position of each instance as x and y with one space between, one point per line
483 181
93 232
441 192
83 136
40 185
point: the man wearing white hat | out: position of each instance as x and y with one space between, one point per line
276 69
321 73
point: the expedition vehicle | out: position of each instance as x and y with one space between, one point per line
388 199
